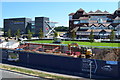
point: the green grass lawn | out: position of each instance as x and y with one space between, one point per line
82 43
43 41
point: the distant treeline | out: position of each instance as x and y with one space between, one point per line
62 28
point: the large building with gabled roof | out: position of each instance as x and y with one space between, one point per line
83 21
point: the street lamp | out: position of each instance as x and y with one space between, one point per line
90 69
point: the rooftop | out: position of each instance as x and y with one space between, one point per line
80 9
71 14
92 12
99 12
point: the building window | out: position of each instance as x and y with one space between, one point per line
93 27
116 21
33 27
33 24
99 20
111 27
76 22
102 27
83 21
70 17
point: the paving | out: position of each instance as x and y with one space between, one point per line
9 74
52 73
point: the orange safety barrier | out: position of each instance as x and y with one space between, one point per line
37 48
54 49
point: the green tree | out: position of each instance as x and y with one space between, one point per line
73 35
18 33
55 34
9 33
61 28
112 35
41 34
91 37
29 34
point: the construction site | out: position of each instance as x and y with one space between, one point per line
71 58
70 50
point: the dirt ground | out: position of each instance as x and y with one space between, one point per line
107 54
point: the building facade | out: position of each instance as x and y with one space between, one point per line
40 24
25 24
14 24
82 22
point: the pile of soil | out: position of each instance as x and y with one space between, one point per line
107 54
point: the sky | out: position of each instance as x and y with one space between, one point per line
56 11
59 0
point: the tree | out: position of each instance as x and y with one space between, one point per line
9 33
61 28
91 37
73 35
55 34
112 35
41 34
18 33
29 34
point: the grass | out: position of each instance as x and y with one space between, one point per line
42 41
82 43
93 44
35 73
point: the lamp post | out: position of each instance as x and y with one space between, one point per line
28 58
90 69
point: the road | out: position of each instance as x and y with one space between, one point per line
9 74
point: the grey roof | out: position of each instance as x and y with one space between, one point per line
106 11
80 9
91 12
85 13
98 11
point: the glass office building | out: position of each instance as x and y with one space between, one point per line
25 24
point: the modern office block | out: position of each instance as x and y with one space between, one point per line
14 24
25 24
40 24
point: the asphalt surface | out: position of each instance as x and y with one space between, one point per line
57 74
60 73
9 74
81 76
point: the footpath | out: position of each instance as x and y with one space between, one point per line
34 72
50 73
